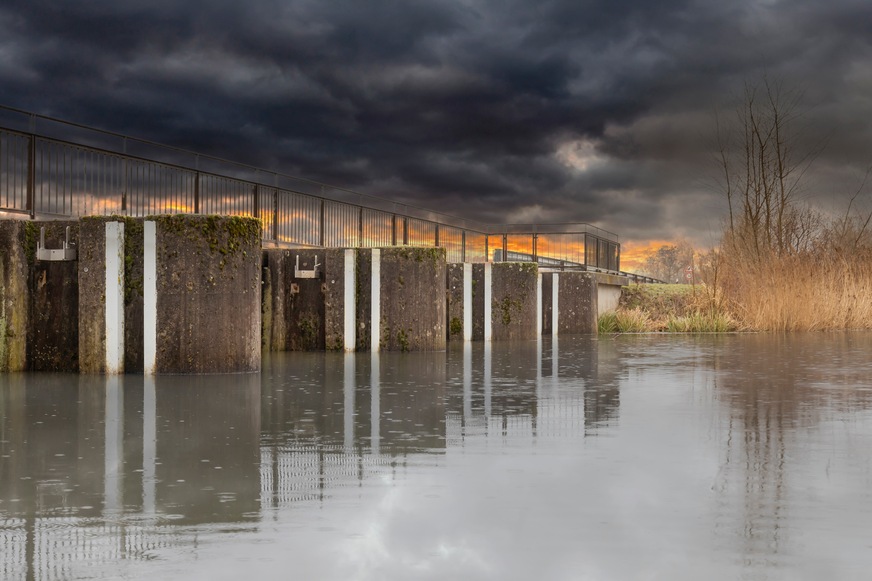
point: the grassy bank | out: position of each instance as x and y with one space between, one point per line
798 292
672 308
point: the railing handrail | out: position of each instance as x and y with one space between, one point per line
452 220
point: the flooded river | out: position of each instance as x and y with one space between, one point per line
635 457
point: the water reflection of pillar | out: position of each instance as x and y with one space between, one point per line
375 405
600 365
348 386
488 380
149 445
467 383
209 447
113 477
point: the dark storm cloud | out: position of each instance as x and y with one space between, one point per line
554 111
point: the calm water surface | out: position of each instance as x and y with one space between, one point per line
638 457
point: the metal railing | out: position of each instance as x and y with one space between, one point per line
54 168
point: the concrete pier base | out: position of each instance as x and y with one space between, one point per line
14 295
53 330
513 301
401 299
340 289
293 307
170 294
208 285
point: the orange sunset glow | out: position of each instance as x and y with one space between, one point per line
635 252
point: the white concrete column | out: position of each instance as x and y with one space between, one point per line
149 297
555 303
467 301
539 305
488 290
375 302
349 309
114 297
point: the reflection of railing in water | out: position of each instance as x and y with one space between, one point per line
365 423
53 168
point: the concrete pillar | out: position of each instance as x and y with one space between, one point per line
488 298
114 297
477 303
14 295
375 301
513 300
208 294
555 303
539 305
456 305
340 288
149 297
53 329
93 297
547 300
401 301
467 302
293 300
577 293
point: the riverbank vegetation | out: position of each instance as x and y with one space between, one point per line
672 308
781 265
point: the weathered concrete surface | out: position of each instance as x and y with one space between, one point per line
609 291
547 302
513 300
478 302
412 299
455 302
133 281
293 308
334 299
14 294
53 331
577 302
363 295
208 294
92 293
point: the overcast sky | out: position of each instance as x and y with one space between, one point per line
501 111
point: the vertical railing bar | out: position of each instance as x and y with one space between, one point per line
31 168
196 192
321 224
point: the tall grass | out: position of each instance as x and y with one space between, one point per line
667 308
816 290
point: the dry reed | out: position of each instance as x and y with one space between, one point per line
800 292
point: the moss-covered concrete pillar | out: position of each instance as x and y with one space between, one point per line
14 294
202 294
575 304
401 299
513 295
340 297
460 302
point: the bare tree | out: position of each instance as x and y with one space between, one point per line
762 171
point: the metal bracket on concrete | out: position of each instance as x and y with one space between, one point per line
55 254
314 273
